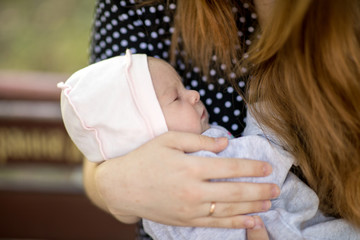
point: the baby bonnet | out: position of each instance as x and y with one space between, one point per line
110 108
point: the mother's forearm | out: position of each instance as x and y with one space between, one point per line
89 171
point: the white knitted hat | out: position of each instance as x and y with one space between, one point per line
110 108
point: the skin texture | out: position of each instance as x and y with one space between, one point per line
181 107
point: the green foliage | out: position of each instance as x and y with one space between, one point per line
45 35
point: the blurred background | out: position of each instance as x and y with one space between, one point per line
41 194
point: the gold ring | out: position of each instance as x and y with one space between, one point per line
212 209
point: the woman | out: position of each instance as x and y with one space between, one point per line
289 66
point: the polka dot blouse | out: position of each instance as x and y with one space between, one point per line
119 25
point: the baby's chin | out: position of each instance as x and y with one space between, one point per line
205 127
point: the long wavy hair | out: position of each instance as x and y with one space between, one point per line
306 75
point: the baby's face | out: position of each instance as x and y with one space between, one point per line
182 108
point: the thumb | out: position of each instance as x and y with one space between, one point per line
190 142
258 232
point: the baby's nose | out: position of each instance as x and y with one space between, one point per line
194 96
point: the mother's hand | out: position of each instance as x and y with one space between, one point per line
159 182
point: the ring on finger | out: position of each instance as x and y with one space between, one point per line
212 208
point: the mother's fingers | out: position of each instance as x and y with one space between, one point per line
258 232
233 209
240 221
213 168
238 191
189 142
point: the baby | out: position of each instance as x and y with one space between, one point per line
114 106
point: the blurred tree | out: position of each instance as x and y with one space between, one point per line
45 35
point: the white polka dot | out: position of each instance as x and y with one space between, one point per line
196 69
107 14
232 75
161 7
124 43
165 55
131 12
172 6
143 45
108 39
251 29
154 35
202 92
248 42
237 112
103 31
133 50
239 98
147 22
242 19
166 19
102 44
97 23
212 72
216 110
167 42
208 101
204 78
246 5
160 45
97 49
123 30
240 33
241 84
124 17
171 30
253 16
188 75
230 89
223 66
138 12
115 47
211 86
116 34
227 104
97 36
133 38
108 52
114 22
221 81
141 34
152 9
131 27
161 31
243 70
214 58
225 119
114 8
157 21
194 83
234 127
150 47
219 95
138 23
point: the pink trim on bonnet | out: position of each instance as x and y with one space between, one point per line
135 97
66 90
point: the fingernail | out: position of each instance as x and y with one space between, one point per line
275 192
250 222
266 205
266 169
258 223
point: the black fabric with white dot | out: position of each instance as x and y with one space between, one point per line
119 25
